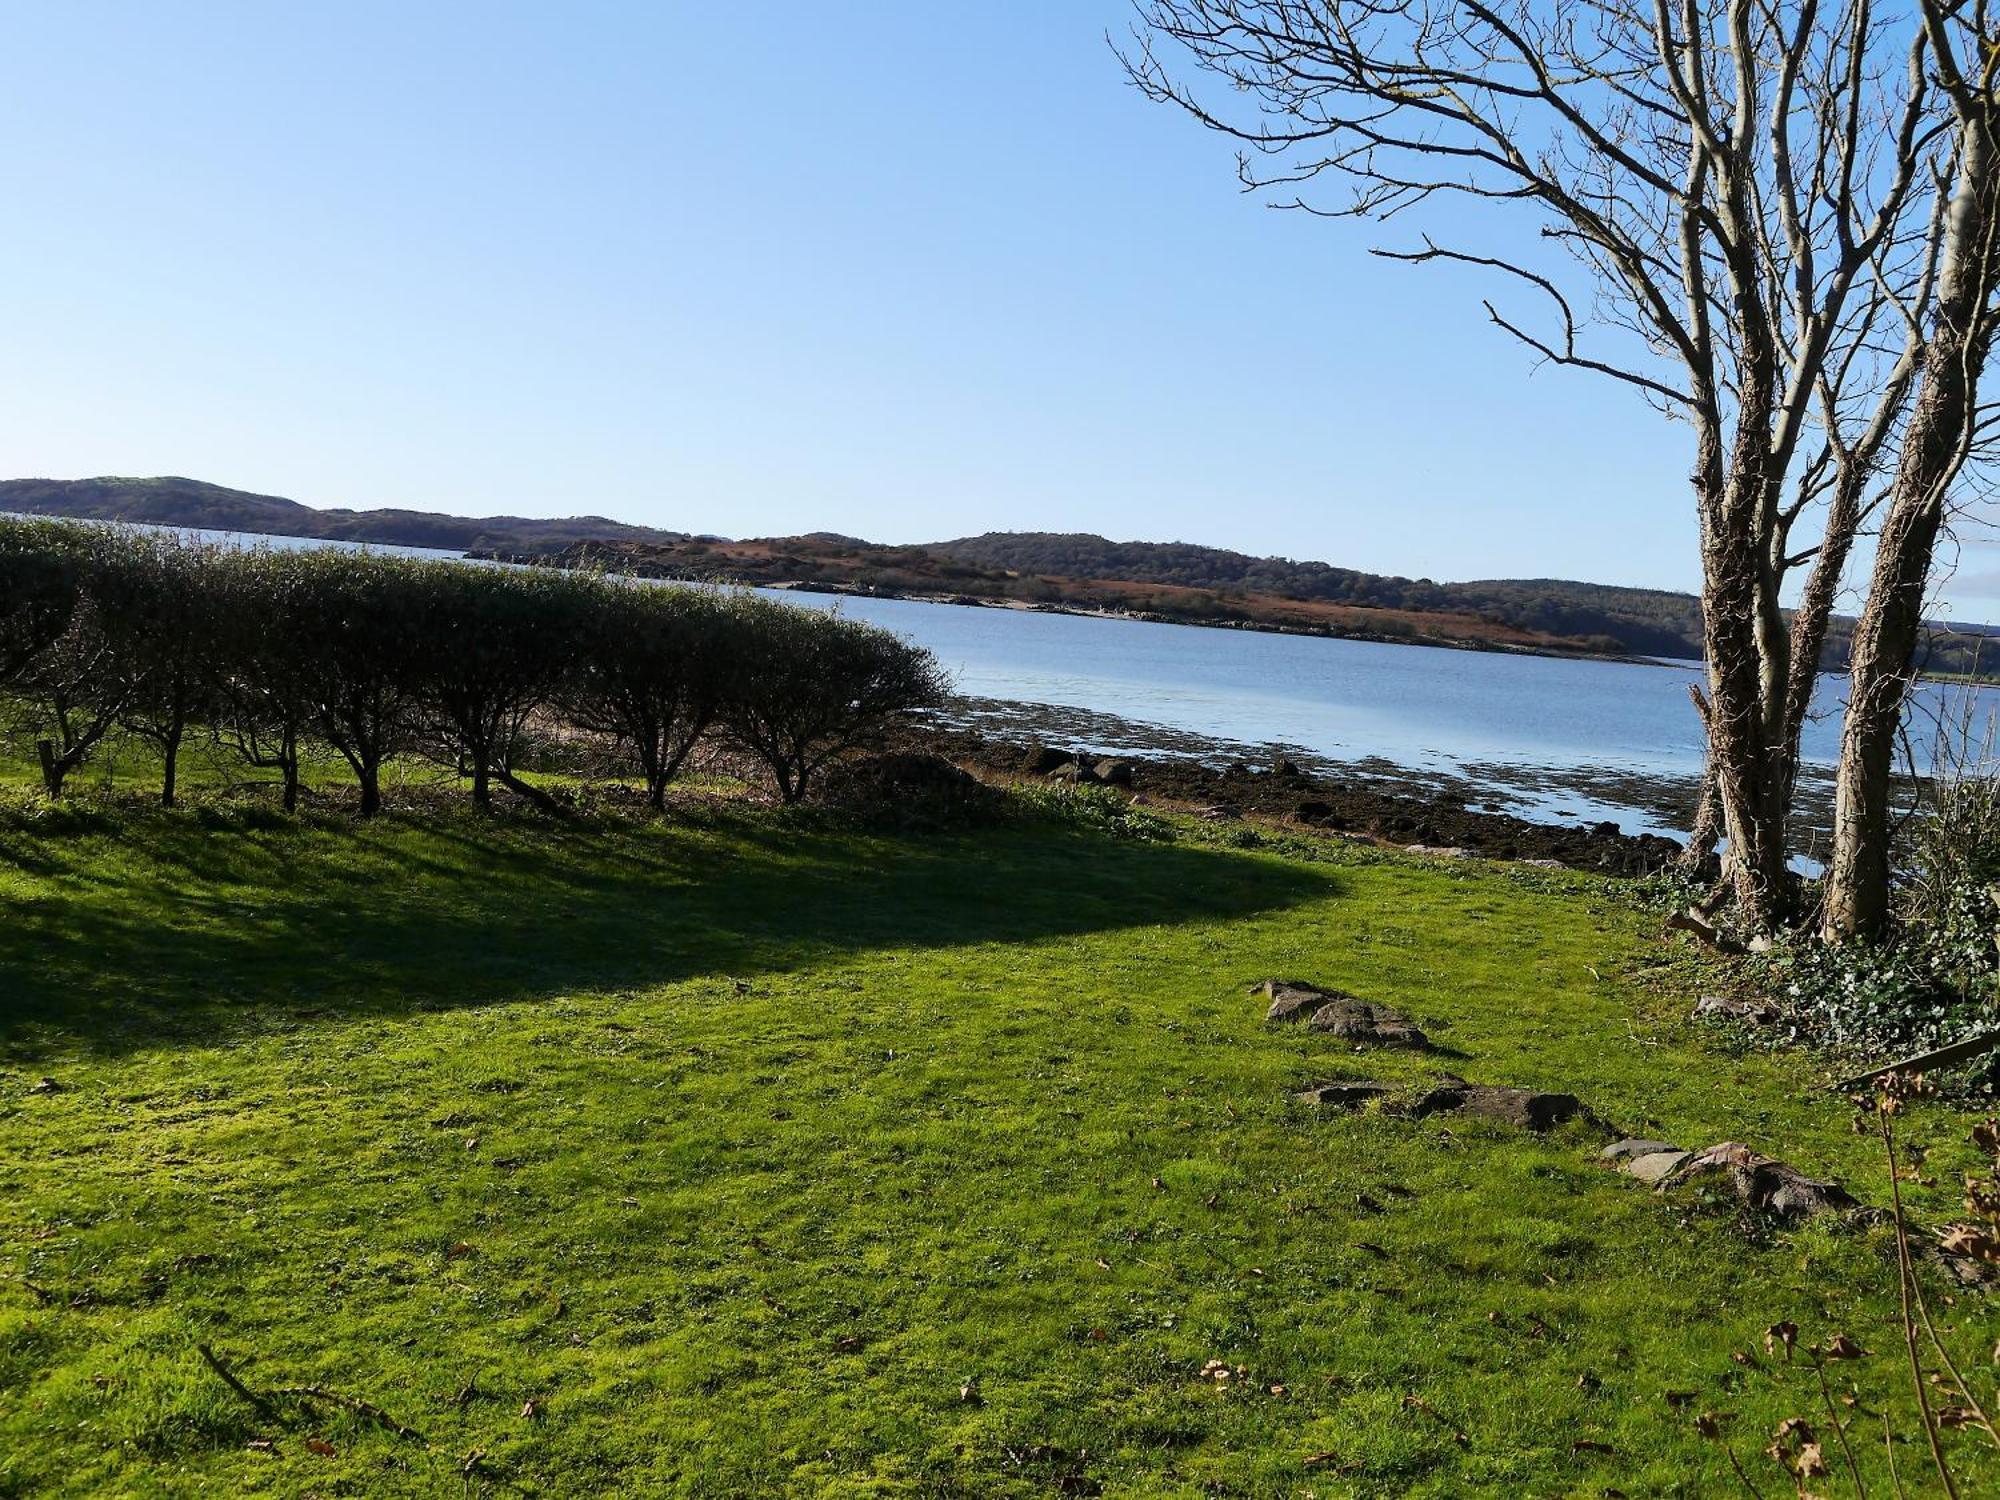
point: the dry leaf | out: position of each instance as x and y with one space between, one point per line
1840 1346
1786 1334
1590 1445
531 1409
1811 1462
320 1446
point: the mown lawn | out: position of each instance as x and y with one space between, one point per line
749 1156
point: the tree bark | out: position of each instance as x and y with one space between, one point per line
369 775
1886 636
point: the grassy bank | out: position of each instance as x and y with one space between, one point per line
747 1155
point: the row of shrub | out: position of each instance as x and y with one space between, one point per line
283 654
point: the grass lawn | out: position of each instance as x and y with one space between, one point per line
749 1156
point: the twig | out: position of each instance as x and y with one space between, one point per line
1730 1454
1906 1275
1839 1429
354 1404
229 1379
1889 1447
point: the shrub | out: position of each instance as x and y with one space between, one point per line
805 686
650 673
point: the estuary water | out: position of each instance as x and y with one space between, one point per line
1545 736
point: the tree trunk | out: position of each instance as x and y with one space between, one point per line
170 746
288 754
55 768
482 790
1885 637
369 774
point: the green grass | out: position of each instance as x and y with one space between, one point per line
766 1158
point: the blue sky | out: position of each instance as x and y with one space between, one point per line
902 270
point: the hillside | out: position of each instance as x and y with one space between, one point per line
172 501
1173 581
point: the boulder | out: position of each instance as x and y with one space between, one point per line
1528 1108
1338 1014
1436 851
1222 812
1115 772
1366 1025
1073 771
1039 760
1762 1182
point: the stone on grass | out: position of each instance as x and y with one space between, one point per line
1349 1094
1440 851
1763 1182
1656 1166
1338 1014
1528 1108
1632 1150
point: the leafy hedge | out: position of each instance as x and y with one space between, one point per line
373 657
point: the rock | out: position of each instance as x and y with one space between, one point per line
1311 811
1366 1025
1073 771
1349 1094
1527 1108
1763 1182
1286 768
1734 1008
1338 1013
1115 772
1039 760
1630 1150
1655 1167
1545 864
1222 812
1434 851
1290 999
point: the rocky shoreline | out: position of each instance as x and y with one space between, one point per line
1439 820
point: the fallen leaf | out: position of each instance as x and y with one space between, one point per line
320 1446
1786 1334
1811 1463
457 1249
531 1409
1840 1346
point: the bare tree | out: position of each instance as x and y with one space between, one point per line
1945 424
1737 186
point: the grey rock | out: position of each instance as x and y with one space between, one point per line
1629 1150
1528 1108
1438 851
1366 1025
1290 999
1222 812
1655 1167
1115 772
1763 1182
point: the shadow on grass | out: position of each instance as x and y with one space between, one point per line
135 929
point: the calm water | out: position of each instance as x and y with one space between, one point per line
1566 735
1567 732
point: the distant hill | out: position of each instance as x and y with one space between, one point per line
1175 581
1590 616
210 507
1643 622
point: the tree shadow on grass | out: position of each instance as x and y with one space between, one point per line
152 929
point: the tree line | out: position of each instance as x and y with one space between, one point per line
279 655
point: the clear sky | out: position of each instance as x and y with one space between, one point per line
899 269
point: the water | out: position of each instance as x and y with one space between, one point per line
1547 736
